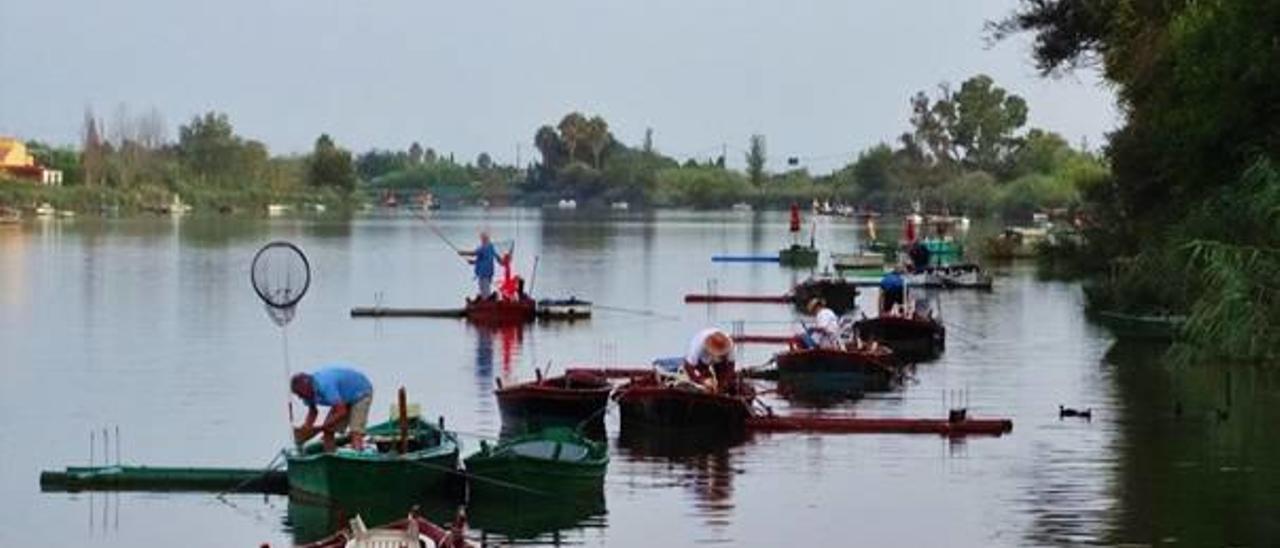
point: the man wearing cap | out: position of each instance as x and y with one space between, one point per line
346 392
710 360
825 331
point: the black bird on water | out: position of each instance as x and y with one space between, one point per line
1064 412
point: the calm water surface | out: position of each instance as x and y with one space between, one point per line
149 325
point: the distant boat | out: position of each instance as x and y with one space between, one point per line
276 210
45 210
318 208
66 213
567 204
177 207
859 260
620 206
741 206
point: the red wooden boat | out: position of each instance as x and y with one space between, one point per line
652 402
500 311
413 526
912 338
571 399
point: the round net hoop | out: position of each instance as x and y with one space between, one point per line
281 275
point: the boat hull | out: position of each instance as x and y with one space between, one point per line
863 370
655 406
499 312
333 476
558 401
912 339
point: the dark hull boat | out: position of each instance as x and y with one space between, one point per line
911 338
649 403
568 400
839 294
862 369
500 312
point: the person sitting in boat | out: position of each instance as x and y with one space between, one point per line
486 254
346 392
710 361
919 254
825 331
893 289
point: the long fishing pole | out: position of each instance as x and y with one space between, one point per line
457 250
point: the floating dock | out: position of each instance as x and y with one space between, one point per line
858 425
153 478
389 312
764 339
744 258
717 298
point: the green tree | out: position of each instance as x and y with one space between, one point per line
756 158
574 133
330 166
208 146
484 161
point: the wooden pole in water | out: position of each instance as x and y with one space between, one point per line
404 422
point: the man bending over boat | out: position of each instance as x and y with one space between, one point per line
825 331
710 361
346 392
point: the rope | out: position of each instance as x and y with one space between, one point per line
637 311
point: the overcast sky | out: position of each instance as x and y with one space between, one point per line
820 79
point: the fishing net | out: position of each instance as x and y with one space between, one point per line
281 276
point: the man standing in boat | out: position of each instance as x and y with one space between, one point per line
893 290
485 255
710 360
346 392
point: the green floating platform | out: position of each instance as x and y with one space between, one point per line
151 478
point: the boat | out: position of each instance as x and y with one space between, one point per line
572 308
571 399
1016 242
1163 327
840 294
864 369
943 248
798 255
952 276
653 402
45 210
859 260
177 206
567 204
413 530
912 338
500 311
429 460
553 460
620 206
276 210
741 206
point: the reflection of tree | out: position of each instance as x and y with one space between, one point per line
1197 452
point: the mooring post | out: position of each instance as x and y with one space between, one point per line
404 422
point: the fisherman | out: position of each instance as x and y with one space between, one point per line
346 392
794 226
485 256
893 289
825 331
920 256
710 361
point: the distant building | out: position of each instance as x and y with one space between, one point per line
16 162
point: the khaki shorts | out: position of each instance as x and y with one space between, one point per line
358 415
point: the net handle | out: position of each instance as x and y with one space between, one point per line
306 283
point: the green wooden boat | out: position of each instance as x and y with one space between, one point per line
552 460
430 462
798 255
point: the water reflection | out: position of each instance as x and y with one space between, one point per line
698 462
535 518
309 520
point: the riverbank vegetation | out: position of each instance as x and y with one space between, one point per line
1187 222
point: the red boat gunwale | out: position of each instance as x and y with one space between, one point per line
501 312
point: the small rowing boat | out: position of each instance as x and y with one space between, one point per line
873 369
417 460
571 399
661 403
912 337
549 461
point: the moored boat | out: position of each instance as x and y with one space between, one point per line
572 308
798 255
912 337
855 370
429 460
957 275
552 460
652 403
570 399
500 311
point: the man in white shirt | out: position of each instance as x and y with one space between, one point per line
710 360
826 325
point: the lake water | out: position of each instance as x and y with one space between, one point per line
150 326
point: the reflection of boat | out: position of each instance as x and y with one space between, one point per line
549 461
912 338
798 255
430 458
519 515
500 311
839 294
648 401
570 399
1141 326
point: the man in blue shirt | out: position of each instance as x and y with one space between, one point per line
893 288
346 392
486 255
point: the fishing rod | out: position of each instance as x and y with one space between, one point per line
457 250
636 311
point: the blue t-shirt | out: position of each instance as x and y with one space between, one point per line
339 385
486 254
892 282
